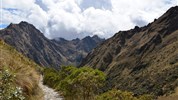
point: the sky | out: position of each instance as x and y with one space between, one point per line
79 18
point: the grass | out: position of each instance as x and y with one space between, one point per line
27 73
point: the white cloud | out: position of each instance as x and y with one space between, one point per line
23 10
20 4
78 18
37 16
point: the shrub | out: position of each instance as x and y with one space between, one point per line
8 89
75 83
83 83
51 77
116 95
121 95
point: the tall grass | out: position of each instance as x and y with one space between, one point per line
26 71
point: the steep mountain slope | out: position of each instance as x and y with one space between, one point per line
21 72
33 44
142 60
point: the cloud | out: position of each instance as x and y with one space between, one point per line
40 3
97 4
78 18
14 12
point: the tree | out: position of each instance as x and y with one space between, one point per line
82 84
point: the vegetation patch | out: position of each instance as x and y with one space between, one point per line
85 83
79 83
19 76
8 89
115 94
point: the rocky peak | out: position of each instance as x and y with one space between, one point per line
172 10
60 40
24 23
77 39
87 38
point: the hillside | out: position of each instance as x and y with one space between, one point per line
141 60
32 43
21 72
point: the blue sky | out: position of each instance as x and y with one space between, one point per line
78 18
3 26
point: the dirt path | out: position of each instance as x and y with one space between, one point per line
49 93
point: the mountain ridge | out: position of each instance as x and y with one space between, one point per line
32 43
141 60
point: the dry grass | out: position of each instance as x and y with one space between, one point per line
26 71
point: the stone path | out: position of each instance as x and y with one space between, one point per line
49 93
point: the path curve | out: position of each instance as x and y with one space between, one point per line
49 93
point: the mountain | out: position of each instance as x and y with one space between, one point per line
77 49
32 43
141 60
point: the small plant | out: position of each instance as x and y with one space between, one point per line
8 89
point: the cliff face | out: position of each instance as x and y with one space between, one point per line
49 53
142 60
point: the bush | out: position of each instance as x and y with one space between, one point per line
116 95
79 83
121 95
51 77
8 89
83 83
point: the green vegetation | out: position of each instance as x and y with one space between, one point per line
20 74
85 84
79 83
122 95
8 88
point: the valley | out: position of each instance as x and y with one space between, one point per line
137 64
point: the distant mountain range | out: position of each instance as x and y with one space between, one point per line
143 60
77 49
49 53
